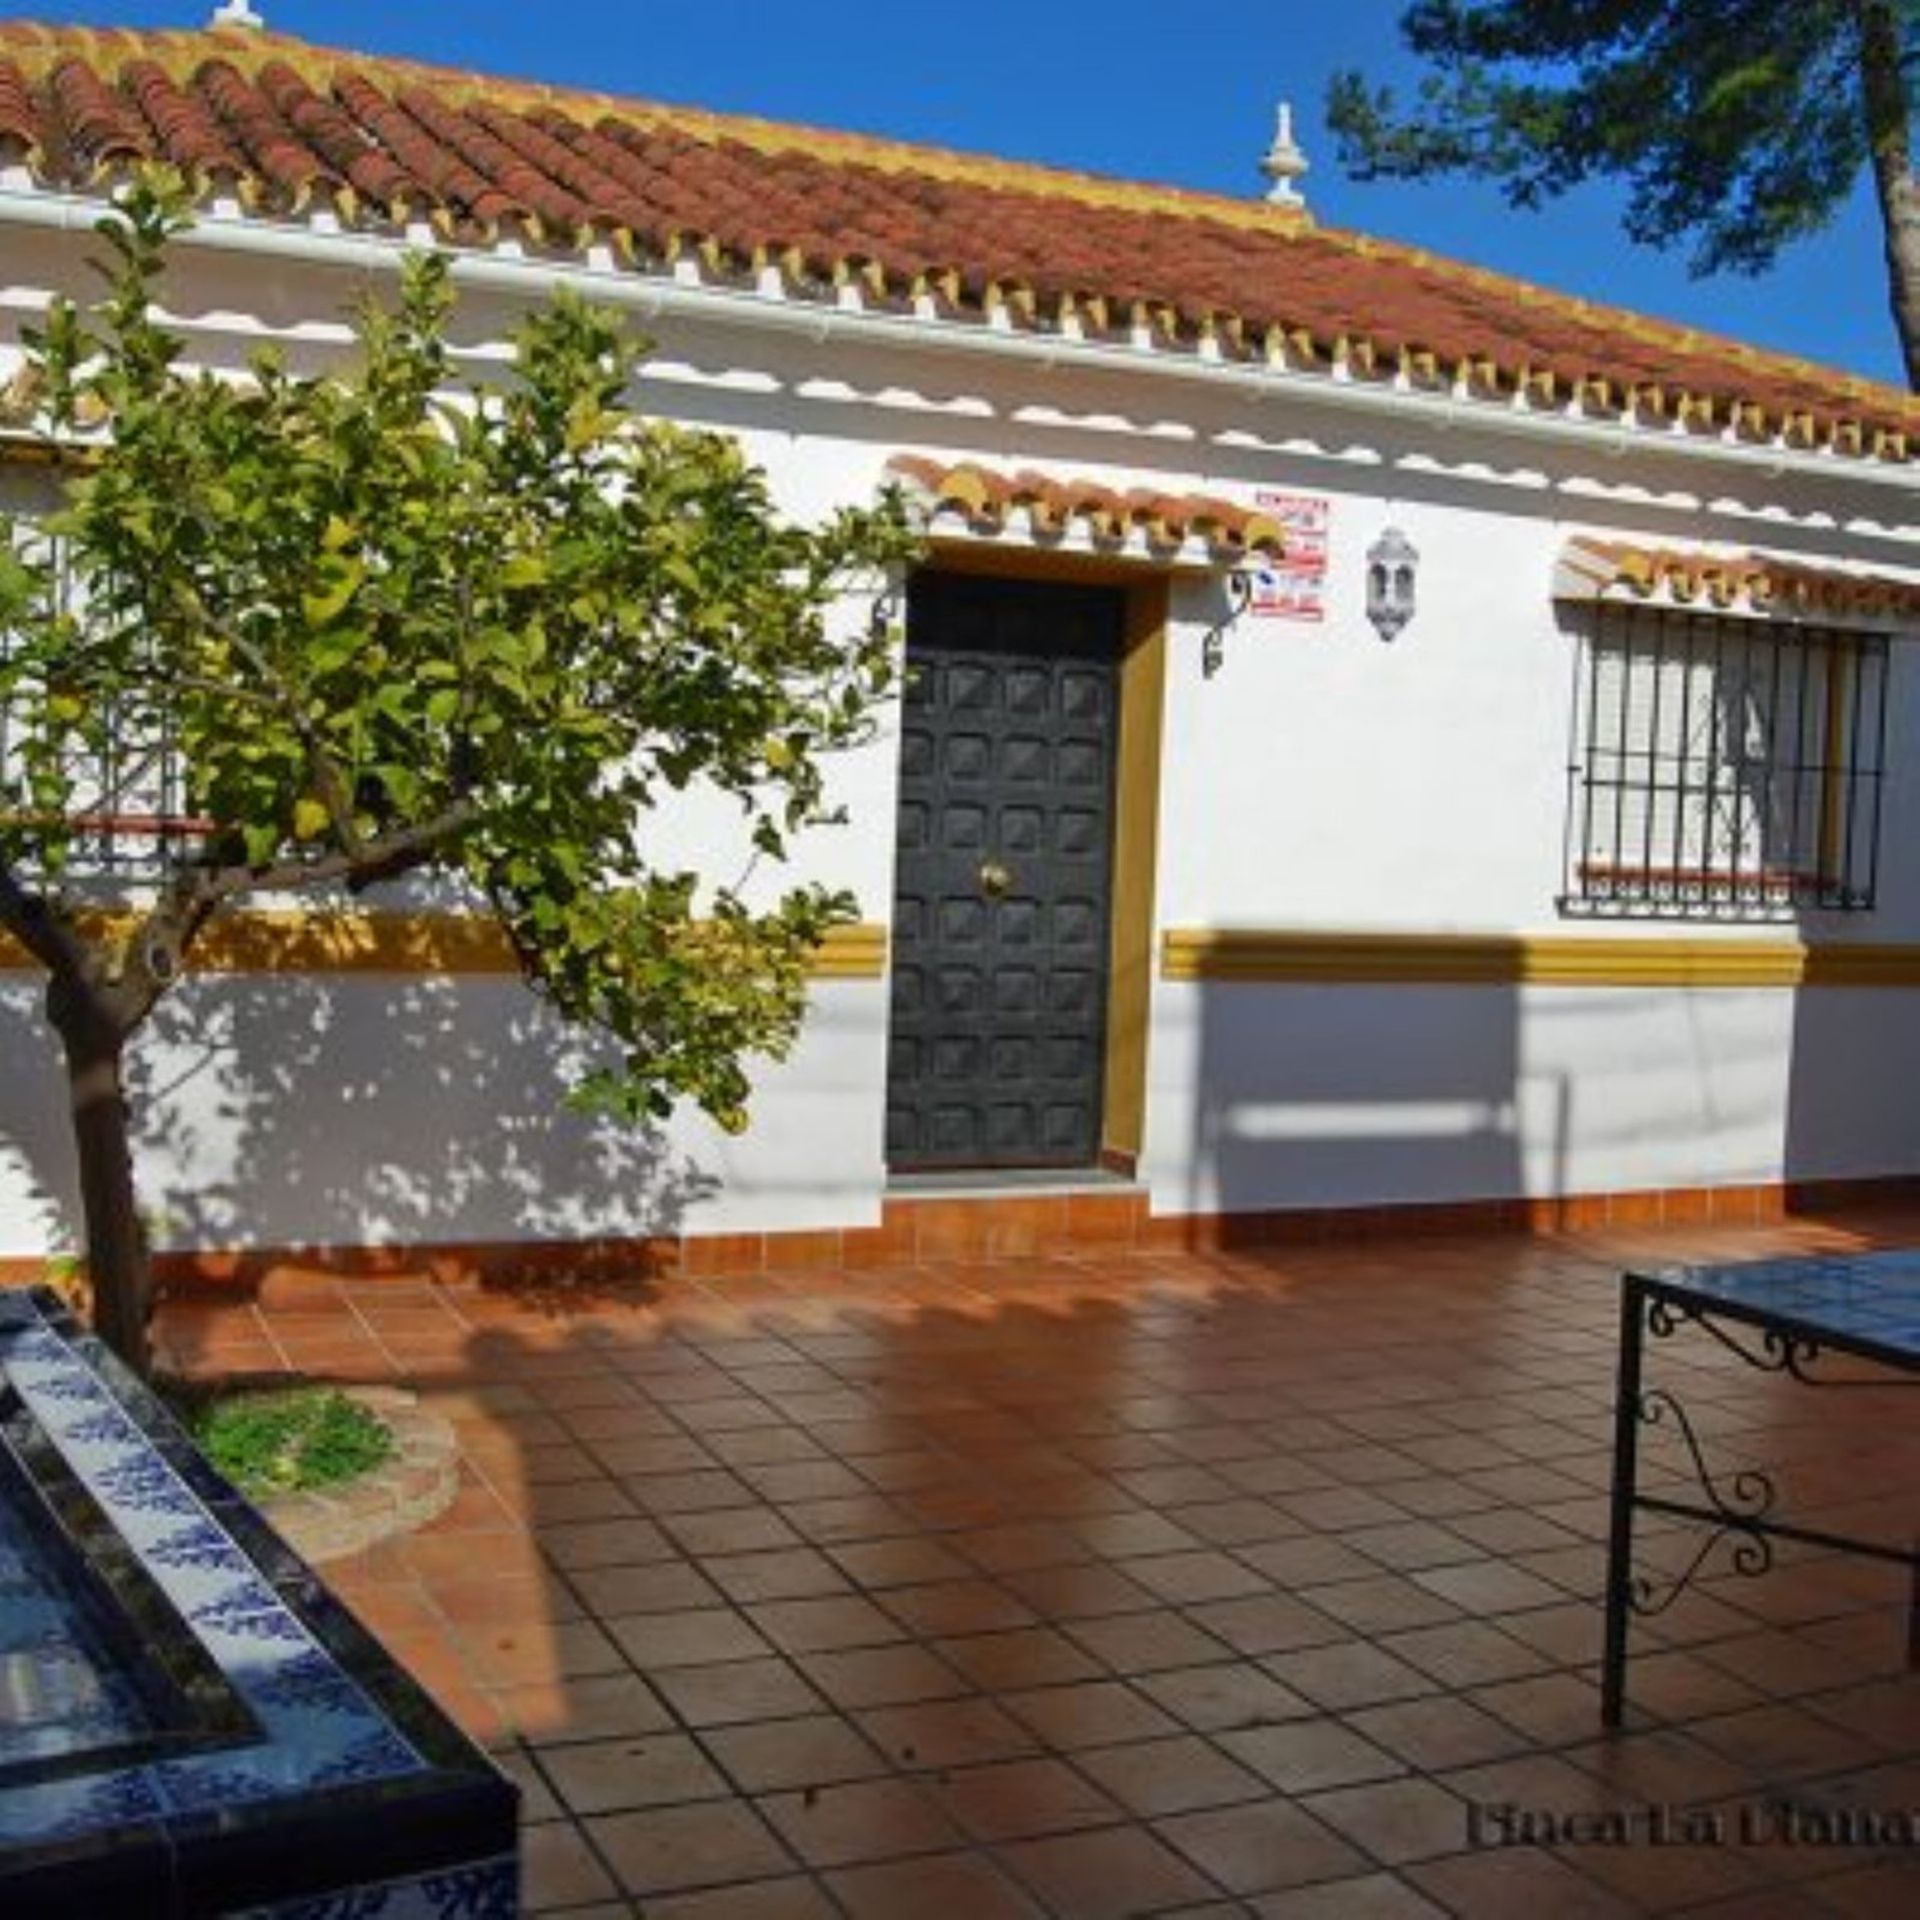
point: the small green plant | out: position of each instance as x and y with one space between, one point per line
291 1441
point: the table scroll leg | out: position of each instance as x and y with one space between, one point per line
1626 1467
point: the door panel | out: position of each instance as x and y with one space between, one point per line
1000 925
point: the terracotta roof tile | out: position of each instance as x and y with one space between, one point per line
1590 568
22 130
984 497
290 169
395 140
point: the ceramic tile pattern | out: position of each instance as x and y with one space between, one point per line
379 143
1134 1583
277 1712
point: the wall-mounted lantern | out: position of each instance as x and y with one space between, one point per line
1213 644
1392 562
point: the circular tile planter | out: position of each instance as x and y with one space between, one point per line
414 1484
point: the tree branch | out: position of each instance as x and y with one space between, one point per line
329 788
379 859
45 933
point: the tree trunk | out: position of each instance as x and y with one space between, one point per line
117 1264
1889 126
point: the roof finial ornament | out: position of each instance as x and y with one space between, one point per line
235 13
1285 163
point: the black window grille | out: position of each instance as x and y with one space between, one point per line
1724 766
128 803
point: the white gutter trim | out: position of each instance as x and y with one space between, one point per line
660 298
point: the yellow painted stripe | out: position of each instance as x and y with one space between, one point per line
1557 960
290 941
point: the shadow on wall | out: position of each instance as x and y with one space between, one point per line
319 1110
1321 1096
1853 1088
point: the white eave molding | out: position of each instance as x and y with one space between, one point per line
764 310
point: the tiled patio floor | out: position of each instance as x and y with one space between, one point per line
1157 1584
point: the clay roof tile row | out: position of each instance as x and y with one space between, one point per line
1590 568
984 496
390 141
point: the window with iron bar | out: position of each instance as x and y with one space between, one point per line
1723 766
128 803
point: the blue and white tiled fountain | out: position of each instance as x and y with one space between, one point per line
189 1723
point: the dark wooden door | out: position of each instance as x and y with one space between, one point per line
1000 919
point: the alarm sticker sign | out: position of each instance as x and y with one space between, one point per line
1293 587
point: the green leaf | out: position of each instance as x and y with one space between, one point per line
325 603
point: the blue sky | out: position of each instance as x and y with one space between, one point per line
1147 91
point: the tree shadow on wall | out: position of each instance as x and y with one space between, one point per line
317 1110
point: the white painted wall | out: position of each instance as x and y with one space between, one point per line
1323 780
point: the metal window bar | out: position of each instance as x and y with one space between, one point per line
1722 769
129 798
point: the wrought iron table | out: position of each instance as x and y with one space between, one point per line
1780 1317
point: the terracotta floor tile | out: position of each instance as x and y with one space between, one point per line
1344 1674
657 1586
1237 1493
1465 1653
787 1898
1106 1874
1554 1709
1141 1532
600 1543
1515 1884
1184 1578
1266 1623
1395 1820
859 1820
812 1751
948 1607
653 1769
588 1496
1234 1521
1438 1731
1488 1586
1090 1714
1019 1799
785 1573
1232 1695
533 1651
1879 1892
559 1868
1132 1644
1670 1877
1305 1559
1378 1603
664 1849
881 1676
537 1802
597 1708
1177 1775
1373 1896
906 1561
1256 1847
944 1733
827 1624
736 1691
1301 1756
936 1884
1025 1657
863 1516
1078 1591
702 1636
1019 1546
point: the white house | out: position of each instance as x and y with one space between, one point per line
1381 736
